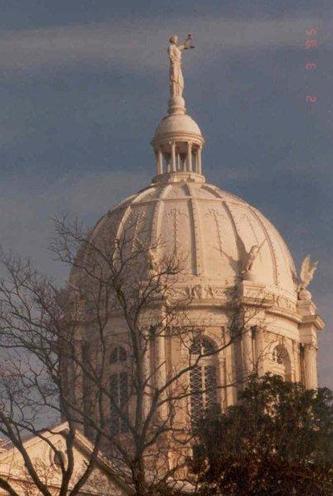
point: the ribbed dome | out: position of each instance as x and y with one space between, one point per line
177 124
212 229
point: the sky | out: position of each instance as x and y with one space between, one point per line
84 83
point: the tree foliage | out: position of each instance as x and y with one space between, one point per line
278 440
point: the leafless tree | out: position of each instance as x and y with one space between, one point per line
97 355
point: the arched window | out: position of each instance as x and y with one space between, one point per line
278 355
203 378
118 354
119 391
281 362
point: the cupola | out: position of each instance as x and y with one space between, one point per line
178 140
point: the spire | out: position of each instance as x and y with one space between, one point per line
178 141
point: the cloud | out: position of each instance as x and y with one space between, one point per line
26 222
140 43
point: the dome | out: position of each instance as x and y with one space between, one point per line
225 247
177 124
211 230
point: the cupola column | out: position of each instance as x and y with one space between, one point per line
179 162
199 166
159 160
173 157
189 156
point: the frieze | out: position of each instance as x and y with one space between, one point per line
198 292
281 301
271 299
207 292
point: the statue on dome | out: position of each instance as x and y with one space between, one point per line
249 259
308 269
176 79
151 256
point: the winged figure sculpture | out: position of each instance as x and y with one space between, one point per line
308 268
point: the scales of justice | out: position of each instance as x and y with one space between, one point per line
176 79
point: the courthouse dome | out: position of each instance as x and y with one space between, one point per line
225 246
214 232
210 229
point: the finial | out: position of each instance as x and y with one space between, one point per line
176 79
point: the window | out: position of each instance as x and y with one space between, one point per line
118 354
281 361
278 355
119 391
203 379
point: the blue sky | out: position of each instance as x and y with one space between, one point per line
83 85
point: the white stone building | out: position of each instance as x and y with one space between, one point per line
103 481
224 244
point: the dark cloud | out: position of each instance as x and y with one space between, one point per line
32 13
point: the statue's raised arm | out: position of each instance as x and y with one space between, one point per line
176 79
188 43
